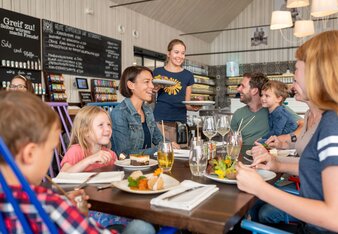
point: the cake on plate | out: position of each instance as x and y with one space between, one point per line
139 160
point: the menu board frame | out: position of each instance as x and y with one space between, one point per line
74 51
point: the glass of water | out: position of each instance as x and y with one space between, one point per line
197 158
234 145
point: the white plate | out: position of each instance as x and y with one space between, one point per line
178 153
266 175
126 165
199 103
280 153
169 183
164 82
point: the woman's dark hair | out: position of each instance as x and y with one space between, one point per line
130 74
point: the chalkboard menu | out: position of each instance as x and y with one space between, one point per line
6 74
20 41
74 51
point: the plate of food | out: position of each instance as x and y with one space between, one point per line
136 162
199 103
266 175
224 171
164 82
152 183
275 152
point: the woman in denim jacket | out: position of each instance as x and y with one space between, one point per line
134 127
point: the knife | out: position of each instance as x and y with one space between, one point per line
170 197
84 183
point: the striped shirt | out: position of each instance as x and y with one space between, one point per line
61 211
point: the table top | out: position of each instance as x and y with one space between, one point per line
218 214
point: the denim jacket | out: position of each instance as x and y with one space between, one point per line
128 135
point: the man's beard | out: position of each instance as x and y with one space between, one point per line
245 99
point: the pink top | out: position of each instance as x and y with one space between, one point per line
75 154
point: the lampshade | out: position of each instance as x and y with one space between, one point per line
281 19
303 28
297 3
321 8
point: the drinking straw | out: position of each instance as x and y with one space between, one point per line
163 132
247 123
240 124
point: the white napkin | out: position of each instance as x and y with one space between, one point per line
77 178
185 201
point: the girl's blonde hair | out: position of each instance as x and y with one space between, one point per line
82 127
320 55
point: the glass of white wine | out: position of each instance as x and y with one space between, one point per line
223 126
209 127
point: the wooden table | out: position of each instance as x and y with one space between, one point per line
217 214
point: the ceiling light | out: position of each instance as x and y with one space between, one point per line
281 19
297 3
322 8
304 28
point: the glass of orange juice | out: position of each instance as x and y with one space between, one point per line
165 156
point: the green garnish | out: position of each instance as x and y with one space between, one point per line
134 183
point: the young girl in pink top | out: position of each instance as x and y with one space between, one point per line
90 149
89 142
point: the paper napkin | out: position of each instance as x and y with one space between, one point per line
77 178
187 200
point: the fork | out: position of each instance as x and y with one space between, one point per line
105 186
84 183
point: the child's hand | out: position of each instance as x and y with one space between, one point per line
102 157
74 193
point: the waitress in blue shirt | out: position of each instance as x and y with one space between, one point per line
169 106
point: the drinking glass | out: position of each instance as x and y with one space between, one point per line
234 145
197 159
165 156
209 128
223 126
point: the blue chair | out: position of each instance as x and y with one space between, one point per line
108 106
257 228
5 153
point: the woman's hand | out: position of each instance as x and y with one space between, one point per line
102 157
193 108
262 159
175 145
248 180
157 87
276 142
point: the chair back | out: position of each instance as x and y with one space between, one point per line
62 110
7 156
257 228
108 106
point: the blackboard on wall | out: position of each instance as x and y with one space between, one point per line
20 46
74 51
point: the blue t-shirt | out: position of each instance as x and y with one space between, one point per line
281 122
169 106
147 136
321 152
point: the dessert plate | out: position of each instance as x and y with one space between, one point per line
266 175
126 165
199 103
169 183
164 82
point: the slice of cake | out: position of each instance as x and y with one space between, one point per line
139 160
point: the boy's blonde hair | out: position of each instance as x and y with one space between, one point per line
82 127
24 119
278 88
321 69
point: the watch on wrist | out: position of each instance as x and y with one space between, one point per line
293 137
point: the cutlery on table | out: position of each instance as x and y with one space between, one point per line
170 197
84 183
105 186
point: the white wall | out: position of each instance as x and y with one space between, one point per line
153 35
259 13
